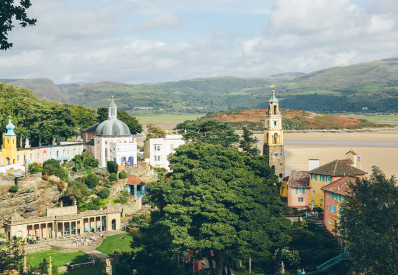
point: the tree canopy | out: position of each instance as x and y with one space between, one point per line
10 12
218 199
154 131
210 131
369 224
248 143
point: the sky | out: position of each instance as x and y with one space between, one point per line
150 41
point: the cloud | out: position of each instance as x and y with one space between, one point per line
163 20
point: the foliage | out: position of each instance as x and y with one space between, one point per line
112 166
210 131
104 193
248 143
119 241
124 193
77 190
52 167
218 199
290 257
122 175
121 199
123 264
10 12
369 222
131 121
34 168
84 161
95 204
12 254
92 180
13 189
112 177
154 131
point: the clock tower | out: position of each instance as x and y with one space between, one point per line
273 137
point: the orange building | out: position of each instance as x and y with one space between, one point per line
334 194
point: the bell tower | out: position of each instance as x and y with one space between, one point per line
9 146
273 137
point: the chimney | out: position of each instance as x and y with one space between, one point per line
312 164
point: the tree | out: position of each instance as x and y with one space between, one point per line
34 168
122 175
154 131
84 161
248 143
112 177
112 166
77 190
92 180
8 10
131 121
11 256
104 193
218 199
210 131
51 167
369 223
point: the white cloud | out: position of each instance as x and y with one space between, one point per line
163 20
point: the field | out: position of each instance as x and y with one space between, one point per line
174 118
115 242
376 118
58 258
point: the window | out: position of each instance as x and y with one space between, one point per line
329 178
157 158
313 177
157 147
106 154
330 221
38 156
327 194
275 123
171 147
300 191
321 178
31 156
300 199
313 192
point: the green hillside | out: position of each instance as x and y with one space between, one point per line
361 88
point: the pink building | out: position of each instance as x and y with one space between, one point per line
298 189
334 195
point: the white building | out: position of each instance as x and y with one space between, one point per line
113 141
158 149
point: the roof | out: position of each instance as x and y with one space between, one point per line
340 186
91 129
134 180
300 179
273 98
112 127
352 152
338 168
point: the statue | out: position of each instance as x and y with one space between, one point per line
108 267
282 267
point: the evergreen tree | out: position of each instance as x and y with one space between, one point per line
248 143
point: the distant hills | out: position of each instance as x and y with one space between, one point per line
366 87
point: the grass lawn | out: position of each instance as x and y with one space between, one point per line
92 270
58 258
115 242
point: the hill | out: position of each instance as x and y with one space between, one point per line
292 120
361 88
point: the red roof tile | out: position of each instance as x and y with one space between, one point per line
134 180
340 186
300 179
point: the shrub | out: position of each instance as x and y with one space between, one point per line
112 177
122 200
112 166
124 193
122 175
50 167
104 193
13 189
92 180
34 168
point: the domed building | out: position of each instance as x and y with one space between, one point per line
113 140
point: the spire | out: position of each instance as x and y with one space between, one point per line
273 97
10 129
112 109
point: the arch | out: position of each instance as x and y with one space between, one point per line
7 161
113 224
275 109
273 168
275 138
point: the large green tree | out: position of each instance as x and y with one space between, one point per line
10 12
369 224
210 131
248 143
11 255
219 199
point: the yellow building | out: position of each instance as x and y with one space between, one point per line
325 174
273 137
8 154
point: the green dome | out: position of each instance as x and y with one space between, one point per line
10 129
112 127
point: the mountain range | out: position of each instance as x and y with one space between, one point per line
366 87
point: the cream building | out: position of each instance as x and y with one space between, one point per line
158 149
63 222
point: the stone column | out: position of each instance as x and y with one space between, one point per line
70 229
63 230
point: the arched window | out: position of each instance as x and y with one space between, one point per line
275 109
275 138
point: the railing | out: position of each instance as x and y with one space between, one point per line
335 260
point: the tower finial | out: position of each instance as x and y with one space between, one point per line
273 98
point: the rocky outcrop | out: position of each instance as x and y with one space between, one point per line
31 200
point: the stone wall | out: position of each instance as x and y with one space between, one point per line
5 183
